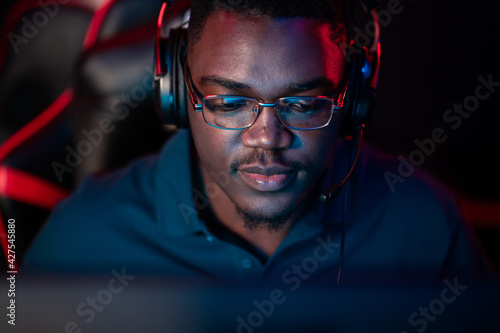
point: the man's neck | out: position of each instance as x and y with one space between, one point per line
260 237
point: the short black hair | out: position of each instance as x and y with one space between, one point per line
330 11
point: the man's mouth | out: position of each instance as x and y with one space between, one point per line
267 179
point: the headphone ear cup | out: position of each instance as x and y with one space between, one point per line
169 85
360 95
179 50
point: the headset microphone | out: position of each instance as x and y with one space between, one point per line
336 188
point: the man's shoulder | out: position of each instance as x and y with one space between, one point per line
132 184
136 180
413 225
93 226
404 197
397 178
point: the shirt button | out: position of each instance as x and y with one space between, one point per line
210 238
246 263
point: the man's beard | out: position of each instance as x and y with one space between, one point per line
256 220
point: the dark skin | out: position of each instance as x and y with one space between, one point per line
267 169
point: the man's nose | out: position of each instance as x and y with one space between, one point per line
267 132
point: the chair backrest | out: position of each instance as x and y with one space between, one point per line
52 90
37 58
113 109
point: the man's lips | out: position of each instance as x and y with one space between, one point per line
268 178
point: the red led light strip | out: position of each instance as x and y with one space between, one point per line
11 179
36 124
13 185
158 34
96 23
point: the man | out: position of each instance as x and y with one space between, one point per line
236 198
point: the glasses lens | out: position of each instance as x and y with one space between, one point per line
305 112
229 111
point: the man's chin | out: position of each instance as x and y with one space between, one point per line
258 219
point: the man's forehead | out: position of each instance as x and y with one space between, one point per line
234 24
241 45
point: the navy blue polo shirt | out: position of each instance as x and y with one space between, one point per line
146 218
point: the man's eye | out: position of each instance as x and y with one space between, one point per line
231 106
303 106
224 105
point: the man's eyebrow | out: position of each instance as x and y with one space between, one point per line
321 82
226 83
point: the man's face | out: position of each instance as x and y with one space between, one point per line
271 169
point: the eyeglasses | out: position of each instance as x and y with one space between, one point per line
239 112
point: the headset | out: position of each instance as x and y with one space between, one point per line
170 90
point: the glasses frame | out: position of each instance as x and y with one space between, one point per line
194 91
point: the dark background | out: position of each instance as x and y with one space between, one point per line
432 54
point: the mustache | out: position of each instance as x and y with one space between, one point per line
266 158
